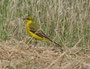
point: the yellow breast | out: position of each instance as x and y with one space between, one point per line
31 33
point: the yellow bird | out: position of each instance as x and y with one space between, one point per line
34 30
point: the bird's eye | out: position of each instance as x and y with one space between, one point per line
28 18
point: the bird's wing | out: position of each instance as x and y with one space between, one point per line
35 29
41 34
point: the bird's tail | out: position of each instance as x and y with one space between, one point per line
55 43
48 39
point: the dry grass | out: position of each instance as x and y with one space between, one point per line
18 55
66 22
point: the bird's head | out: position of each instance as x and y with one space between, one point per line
28 19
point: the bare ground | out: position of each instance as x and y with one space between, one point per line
18 55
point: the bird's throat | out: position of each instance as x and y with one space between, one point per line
29 22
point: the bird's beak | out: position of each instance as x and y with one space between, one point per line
23 18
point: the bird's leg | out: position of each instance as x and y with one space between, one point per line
35 43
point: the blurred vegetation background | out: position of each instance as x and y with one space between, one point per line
64 21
